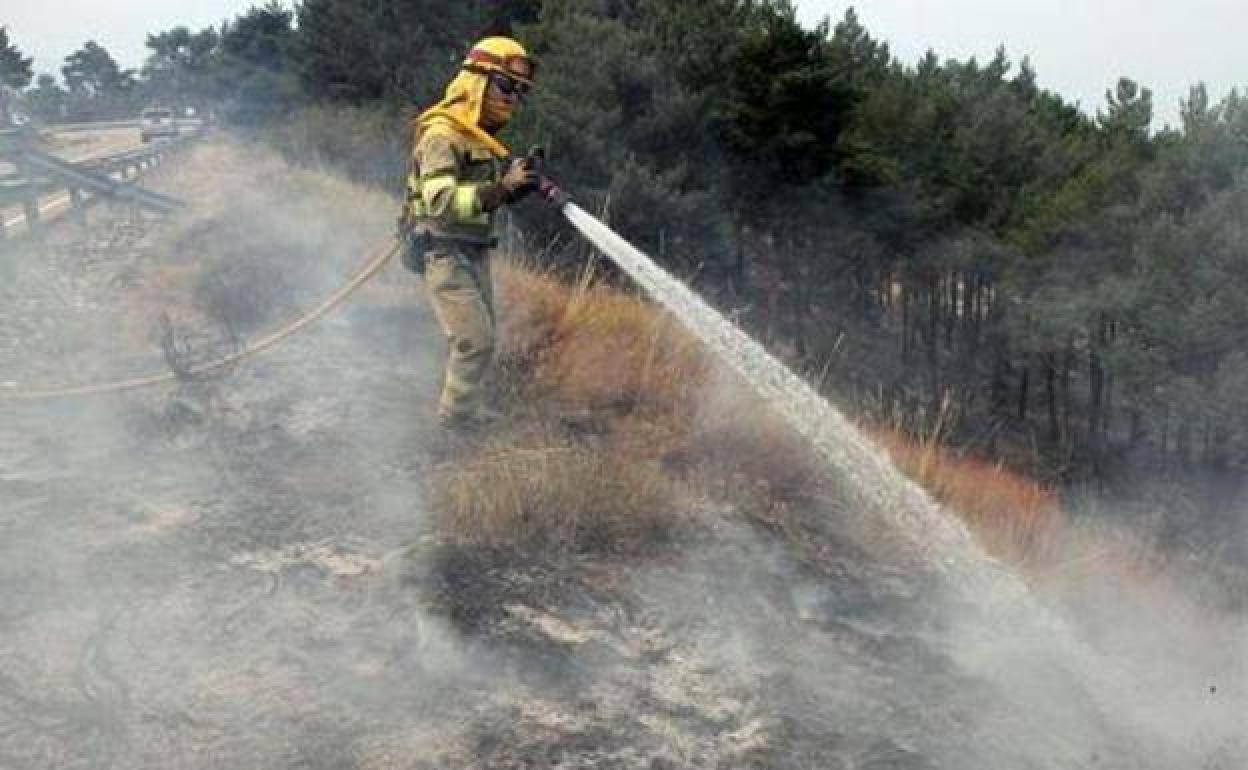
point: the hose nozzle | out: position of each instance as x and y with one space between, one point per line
550 191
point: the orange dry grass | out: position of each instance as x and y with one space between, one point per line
595 348
1015 518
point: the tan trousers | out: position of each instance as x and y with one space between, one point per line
462 295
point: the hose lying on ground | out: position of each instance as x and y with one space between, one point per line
377 260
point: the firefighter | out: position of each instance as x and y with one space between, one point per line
460 176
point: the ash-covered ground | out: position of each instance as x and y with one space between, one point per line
194 576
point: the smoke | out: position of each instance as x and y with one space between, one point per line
192 576
1058 699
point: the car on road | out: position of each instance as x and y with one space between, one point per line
157 122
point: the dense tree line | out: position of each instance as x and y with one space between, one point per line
941 232
244 69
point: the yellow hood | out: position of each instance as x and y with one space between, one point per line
465 97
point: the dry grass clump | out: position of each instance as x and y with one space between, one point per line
663 429
587 347
600 384
1015 518
544 492
370 144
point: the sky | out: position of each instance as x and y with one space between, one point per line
49 30
1078 47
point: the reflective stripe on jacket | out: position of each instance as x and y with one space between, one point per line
442 187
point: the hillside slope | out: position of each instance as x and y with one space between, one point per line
216 574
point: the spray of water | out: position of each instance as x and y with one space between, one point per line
873 480
868 478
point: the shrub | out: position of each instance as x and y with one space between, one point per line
595 348
369 144
542 491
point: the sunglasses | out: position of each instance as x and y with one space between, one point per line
510 87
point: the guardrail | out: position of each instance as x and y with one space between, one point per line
38 175
95 125
101 125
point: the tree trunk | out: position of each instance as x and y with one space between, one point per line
1221 437
1136 427
1165 432
1108 335
739 268
951 312
1068 364
1096 395
968 312
797 267
932 318
1023 386
1050 388
905 322
1183 442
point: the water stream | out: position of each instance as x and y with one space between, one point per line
870 481
874 481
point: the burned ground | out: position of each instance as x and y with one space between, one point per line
197 576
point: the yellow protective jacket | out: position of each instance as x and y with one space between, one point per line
455 165
450 170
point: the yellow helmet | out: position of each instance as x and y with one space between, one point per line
502 56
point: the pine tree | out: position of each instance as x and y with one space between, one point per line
15 73
178 70
47 100
98 88
257 65
395 50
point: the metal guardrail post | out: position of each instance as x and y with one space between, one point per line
30 202
78 205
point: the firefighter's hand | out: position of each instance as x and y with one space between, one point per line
519 180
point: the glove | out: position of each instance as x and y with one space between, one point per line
518 181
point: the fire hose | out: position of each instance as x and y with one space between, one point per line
548 190
377 259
